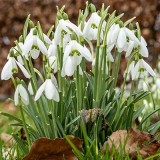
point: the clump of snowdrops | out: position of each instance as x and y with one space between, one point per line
80 66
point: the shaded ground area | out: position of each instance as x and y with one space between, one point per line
14 12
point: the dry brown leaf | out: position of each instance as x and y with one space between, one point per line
56 149
91 114
136 141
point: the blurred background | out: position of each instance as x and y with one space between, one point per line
14 12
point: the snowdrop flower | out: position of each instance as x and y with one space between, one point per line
49 89
121 40
72 57
21 91
11 67
143 48
53 62
64 28
112 35
130 70
15 49
91 27
53 56
141 68
143 85
52 50
30 89
129 49
130 34
33 40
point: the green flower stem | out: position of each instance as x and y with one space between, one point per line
117 69
54 120
78 91
102 74
96 74
131 91
60 80
25 127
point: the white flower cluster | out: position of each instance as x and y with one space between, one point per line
71 39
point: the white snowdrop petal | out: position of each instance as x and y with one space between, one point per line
7 71
144 50
121 41
110 57
67 52
19 59
52 50
30 89
85 52
135 71
46 39
40 91
41 46
35 53
143 41
54 80
49 89
89 32
130 48
55 94
76 59
24 71
74 28
69 67
148 68
132 36
16 94
27 46
115 34
24 95
13 62
63 74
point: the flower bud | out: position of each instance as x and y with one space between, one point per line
92 8
65 16
59 15
21 38
52 35
131 26
31 24
18 80
11 52
121 24
34 31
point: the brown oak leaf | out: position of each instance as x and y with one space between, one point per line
137 141
56 149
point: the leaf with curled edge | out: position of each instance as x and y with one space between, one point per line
134 142
56 149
